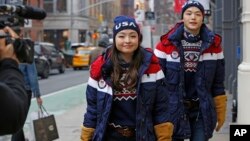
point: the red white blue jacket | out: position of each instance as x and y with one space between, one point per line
209 77
152 99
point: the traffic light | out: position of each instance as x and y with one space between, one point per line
94 36
149 15
100 18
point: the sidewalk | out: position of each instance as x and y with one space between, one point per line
69 106
69 124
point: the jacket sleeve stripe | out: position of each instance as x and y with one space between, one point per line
153 77
168 57
100 85
160 54
211 56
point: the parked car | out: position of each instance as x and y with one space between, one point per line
48 57
84 54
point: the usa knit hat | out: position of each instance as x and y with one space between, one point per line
124 22
192 3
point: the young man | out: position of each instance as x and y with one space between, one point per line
193 63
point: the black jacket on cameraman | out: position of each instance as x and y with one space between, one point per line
14 101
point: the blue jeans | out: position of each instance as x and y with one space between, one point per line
196 125
30 76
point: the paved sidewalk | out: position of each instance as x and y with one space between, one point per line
69 124
70 105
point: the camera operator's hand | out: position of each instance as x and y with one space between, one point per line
7 50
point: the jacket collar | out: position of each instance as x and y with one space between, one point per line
174 36
108 66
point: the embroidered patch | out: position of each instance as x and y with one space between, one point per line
101 84
175 55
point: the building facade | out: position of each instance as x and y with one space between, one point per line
33 29
76 20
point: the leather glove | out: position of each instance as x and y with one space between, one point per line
220 107
164 131
87 133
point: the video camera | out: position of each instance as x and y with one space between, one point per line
14 16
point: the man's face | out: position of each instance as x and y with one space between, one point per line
193 19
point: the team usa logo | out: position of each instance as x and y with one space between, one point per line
101 84
125 24
175 55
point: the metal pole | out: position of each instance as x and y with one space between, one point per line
71 20
244 68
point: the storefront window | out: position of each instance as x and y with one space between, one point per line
56 37
82 35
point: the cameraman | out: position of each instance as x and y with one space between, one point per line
14 102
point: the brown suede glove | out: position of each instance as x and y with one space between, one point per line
164 131
87 133
220 107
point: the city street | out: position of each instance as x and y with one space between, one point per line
58 81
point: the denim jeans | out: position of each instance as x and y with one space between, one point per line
112 135
30 76
196 125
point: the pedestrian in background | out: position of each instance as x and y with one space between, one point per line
32 87
126 93
192 59
104 41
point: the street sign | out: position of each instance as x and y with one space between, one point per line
139 15
149 15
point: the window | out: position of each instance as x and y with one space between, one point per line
82 35
55 37
81 5
61 6
48 6
54 6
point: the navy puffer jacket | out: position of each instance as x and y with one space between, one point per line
209 78
152 99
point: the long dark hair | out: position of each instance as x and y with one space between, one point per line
132 73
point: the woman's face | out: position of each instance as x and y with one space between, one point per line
127 41
193 19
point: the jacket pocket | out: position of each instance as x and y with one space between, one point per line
172 76
101 101
173 102
209 70
148 93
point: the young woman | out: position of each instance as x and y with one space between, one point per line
126 93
